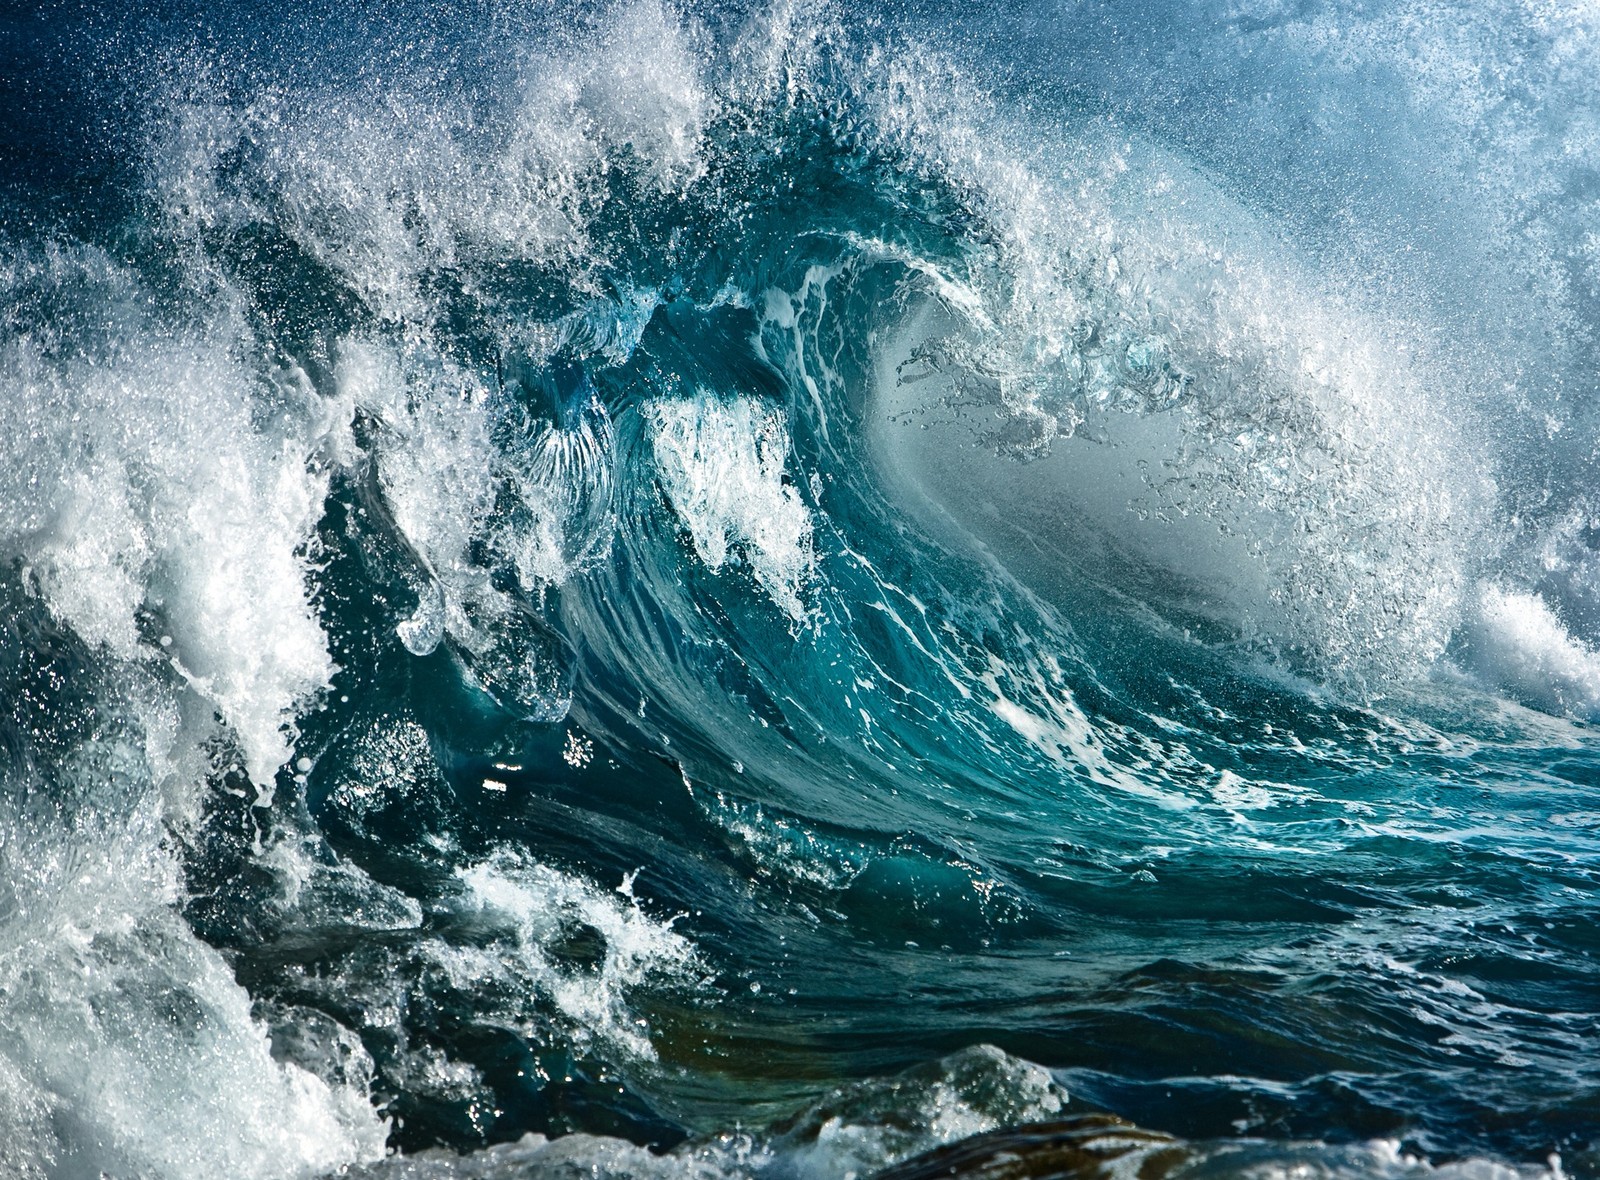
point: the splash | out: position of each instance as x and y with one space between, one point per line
1046 552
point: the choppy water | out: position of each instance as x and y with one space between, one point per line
728 592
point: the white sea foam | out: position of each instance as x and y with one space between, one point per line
166 525
441 474
539 907
160 480
144 484
126 1046
162 487
1518 642
722 464
386 192
435 460
643 89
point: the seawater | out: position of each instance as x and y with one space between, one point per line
758 590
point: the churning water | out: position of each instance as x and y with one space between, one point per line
735 591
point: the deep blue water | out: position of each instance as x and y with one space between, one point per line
753 591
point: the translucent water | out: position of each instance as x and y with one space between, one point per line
780 590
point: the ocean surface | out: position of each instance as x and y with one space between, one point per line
799 590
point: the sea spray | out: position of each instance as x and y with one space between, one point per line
759 590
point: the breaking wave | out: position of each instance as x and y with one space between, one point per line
770 591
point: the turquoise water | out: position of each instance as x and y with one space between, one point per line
758 591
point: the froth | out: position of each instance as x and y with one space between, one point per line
722 462
390 192
159 520
126 1046
542 907
1517 642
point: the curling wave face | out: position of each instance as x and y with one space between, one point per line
746 592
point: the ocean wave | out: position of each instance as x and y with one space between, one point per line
1068 534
